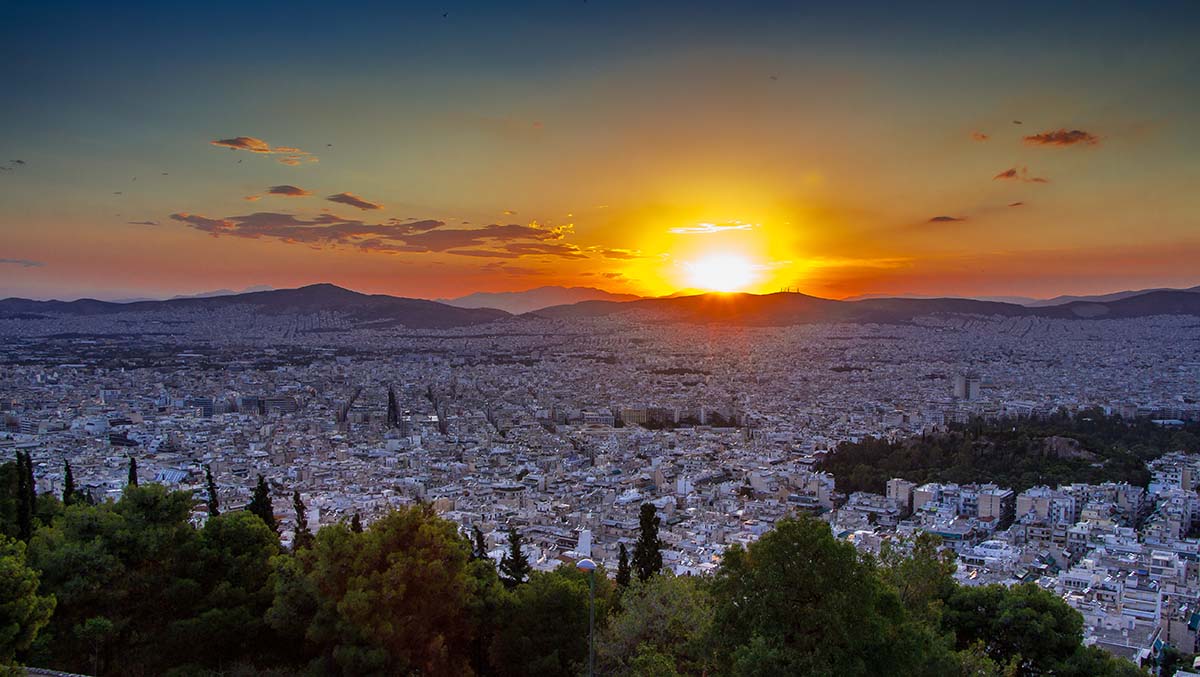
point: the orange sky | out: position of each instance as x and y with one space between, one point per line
854 161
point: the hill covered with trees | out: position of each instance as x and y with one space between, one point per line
1018 453
131 587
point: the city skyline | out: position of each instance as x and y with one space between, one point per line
437 151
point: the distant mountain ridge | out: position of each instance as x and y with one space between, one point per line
529 300
378 309
785 308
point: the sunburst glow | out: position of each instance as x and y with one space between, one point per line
721 272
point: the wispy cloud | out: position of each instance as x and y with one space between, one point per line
1019 174
392 236
947 219
287 155
707 228
353 200
979 136
288 191
142 223
1062 137
24 263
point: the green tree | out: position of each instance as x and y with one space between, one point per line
1027 626
514 566
260 504
214 499
356 523
303 537
924 576
666 616
68 494
647 552
394 599
798 601
624 573
23 612
9 499
127 562
479 549
544 628
26 496
132 481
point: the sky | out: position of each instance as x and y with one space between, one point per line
437 149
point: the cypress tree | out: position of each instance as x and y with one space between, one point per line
24 505
647 553
214 501
68 495
132 472
303 537
356 523
260 504
478 544
514 566
624 573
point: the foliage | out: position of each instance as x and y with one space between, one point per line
798 601
647 552
1012 453
23 612
514 566
624 573
664 621
214 498
543 629
391 600
303 536
260 504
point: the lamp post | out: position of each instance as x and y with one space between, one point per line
587 566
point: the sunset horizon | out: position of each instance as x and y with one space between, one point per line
836 151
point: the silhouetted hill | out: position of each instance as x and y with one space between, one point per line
790 308
374 308
534 299
1103 298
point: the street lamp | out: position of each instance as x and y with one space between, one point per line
587 566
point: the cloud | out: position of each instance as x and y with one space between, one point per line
287 155
252 198
24 263
706 228
979 136
352 200
393 236
142 223
288 191
1019 174
1017 204
1063 137
622 254
947 219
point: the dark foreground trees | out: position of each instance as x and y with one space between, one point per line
137 589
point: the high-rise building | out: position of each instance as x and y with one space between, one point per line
966 386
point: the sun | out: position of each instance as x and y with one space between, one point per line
721 272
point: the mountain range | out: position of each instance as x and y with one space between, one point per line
783 308
518 302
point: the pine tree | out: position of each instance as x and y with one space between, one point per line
68 495
214 501
514 566
479 548
260 504
624 574
647 553
356 523
132 472
25 507
303 537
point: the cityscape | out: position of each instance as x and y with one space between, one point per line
627 341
